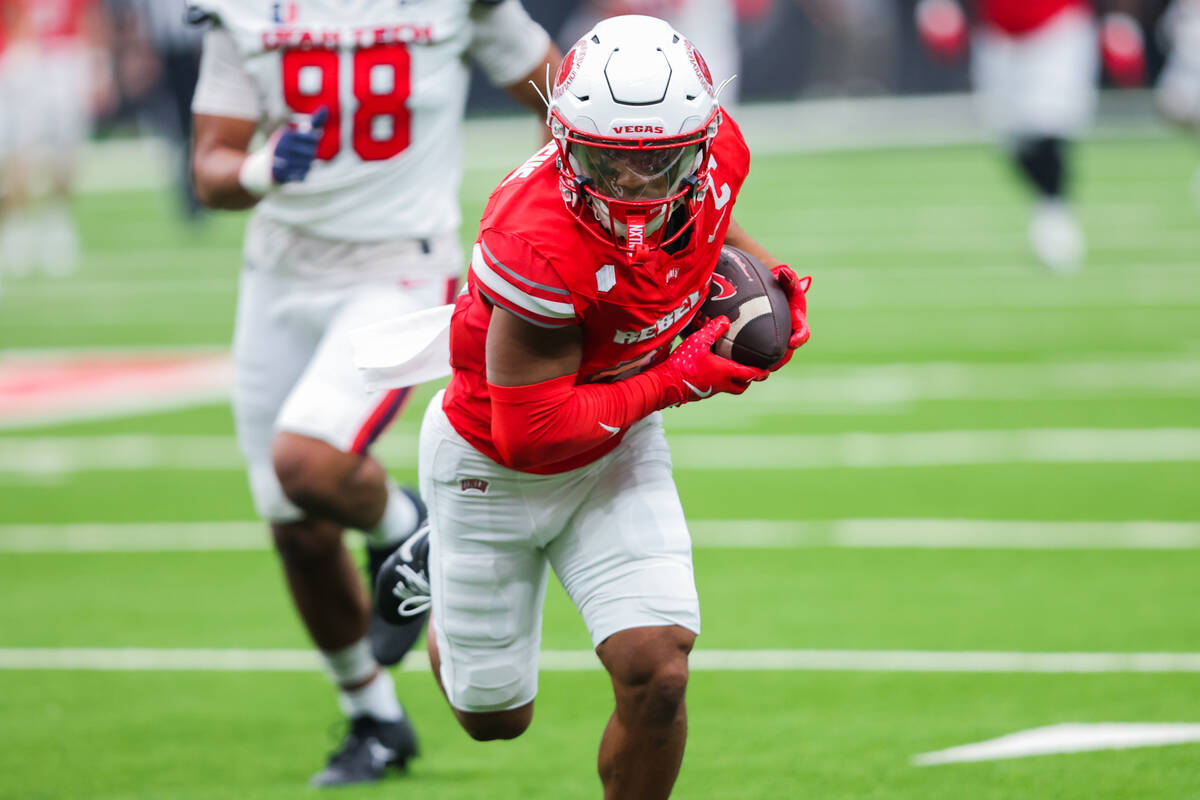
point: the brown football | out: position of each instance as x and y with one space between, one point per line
743 289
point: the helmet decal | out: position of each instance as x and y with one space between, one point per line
700 66
569 67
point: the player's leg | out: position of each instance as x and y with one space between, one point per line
20 122
68 96
488 579
1037 92
642 747
626 562
326 426
271 351
1060 101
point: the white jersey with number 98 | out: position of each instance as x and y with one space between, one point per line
393 75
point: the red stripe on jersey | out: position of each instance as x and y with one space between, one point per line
451 289
392 404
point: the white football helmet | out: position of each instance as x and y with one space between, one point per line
634 112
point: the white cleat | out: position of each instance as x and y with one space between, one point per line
1056 238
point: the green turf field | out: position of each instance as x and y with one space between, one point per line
973 463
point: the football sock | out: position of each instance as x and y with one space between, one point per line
351 665
1043 162
399 519
377 699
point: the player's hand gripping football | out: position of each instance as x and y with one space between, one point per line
796 289
695 372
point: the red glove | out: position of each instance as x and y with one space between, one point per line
796 289
693 371
1123 49
942 25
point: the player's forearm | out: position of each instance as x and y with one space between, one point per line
552 421
217 173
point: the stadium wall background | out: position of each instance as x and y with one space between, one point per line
797 48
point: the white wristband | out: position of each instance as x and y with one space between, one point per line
255 172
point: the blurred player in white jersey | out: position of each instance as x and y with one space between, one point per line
711 25
54 74
1035 65
356 215
1179 84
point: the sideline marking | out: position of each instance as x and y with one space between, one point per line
61 387
707 534
41 455
1066 737
146 659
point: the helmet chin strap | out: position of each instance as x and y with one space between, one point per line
622 229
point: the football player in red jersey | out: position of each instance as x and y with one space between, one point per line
1034 65
547 448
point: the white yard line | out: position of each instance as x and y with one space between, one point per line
50 455
824 389
853 389
1066 737
939 448
850 289
916 661
739 534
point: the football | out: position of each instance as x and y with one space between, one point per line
743 289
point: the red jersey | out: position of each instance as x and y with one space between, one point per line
533 258
1019 17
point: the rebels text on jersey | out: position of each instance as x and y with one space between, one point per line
1019 17
534 259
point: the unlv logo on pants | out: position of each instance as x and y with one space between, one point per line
477 485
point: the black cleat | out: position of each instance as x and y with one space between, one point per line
391 640
370 747
402 586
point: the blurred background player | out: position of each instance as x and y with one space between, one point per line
1179 83
356 216
709 24
54 77
1035 67
157 56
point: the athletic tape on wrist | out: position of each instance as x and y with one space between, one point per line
255 172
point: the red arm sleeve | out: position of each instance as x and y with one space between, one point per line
548 422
